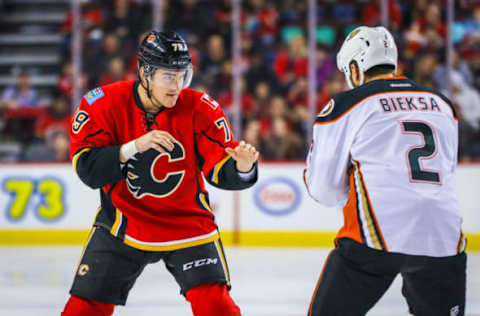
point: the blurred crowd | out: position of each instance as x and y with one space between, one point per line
274 64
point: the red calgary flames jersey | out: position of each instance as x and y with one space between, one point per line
156 201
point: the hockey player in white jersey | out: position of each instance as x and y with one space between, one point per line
386 151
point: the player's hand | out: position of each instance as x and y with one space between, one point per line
155 139
245 156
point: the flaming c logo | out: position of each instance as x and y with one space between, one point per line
151 38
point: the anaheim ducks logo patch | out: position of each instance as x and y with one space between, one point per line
327 109
354 32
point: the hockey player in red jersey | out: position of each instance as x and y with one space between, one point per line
145 144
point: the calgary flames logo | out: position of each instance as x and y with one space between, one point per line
151 38
142 175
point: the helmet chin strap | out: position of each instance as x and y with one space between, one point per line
147 88
149 95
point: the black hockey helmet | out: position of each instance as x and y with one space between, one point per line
165 50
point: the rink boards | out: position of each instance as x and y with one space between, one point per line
47 204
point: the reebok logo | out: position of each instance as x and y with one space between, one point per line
199 263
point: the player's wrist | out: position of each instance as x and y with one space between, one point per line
244 167
127 151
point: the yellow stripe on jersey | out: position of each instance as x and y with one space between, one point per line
219 166
172 245
117 223
203 199
367 212
77 155
224 261
96 215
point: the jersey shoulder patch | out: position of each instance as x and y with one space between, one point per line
210 101
327 109
93 95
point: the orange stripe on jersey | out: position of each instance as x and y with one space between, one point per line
461 243
372 95
400 77
351 227
372 223
318 283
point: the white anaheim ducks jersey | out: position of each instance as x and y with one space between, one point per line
387 152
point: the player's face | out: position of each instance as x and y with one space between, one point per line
166 86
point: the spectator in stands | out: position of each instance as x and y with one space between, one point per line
222 81
251 133
65 81
427 32
51 129
467 101
262 22
291 64
372 15
21 95
282 143
277 109
195 19
56 117
59 142
424 68
459 66
260 70
124 19
97 60
247 102
325 65
91 22
55 147
115 72
262 98
211 63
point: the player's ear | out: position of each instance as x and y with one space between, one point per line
354 73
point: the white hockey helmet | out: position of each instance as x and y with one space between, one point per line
368 47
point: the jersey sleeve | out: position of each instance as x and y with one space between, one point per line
95 155
212 135
328 160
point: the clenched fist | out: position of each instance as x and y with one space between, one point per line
153 140
159 140
245 156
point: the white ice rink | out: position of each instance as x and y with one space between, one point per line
34 281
